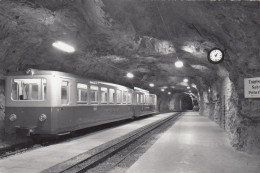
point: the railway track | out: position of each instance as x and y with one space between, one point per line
114 152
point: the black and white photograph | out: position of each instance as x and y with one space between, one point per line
129 86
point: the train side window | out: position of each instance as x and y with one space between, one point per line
141 98
119 96
150 99
129 98
137 99
112 96
64 92
124 97
82 93
147 99
44 82
103 95
94 94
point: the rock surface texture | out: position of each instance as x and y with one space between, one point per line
113 37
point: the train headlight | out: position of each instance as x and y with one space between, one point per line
29 71
12 117
42 117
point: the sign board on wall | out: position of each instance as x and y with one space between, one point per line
252 87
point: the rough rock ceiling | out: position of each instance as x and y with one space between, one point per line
113 37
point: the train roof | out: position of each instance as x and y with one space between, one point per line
31 71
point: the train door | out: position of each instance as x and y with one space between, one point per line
66 116
65 92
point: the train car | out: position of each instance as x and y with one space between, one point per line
55 103
144 102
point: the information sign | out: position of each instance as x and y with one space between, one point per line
252 87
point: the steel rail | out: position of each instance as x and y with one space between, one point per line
90 161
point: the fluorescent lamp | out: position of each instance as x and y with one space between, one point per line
63 46
129 75
185 80
151 85
179 64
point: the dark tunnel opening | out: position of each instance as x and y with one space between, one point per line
186 102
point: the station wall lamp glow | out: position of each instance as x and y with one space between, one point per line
63 46
185 80
129 75
151 85
178 64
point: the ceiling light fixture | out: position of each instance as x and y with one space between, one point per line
162 89
151 85
178 64
129 75
63 46
185 80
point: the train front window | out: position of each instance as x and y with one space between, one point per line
28 89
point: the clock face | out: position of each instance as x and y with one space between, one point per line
215 56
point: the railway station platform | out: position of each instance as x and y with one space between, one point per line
43 158
194 144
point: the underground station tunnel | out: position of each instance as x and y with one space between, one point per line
129 86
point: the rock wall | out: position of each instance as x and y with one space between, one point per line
2 104
204 104
225 104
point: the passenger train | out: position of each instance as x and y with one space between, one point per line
45 102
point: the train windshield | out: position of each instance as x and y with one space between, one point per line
28 89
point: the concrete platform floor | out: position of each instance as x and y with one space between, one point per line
43 158
194 144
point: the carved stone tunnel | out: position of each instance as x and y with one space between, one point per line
145 38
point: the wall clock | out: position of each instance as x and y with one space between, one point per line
215 56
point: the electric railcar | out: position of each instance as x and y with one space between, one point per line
45 102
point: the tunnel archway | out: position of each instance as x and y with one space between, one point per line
185 102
